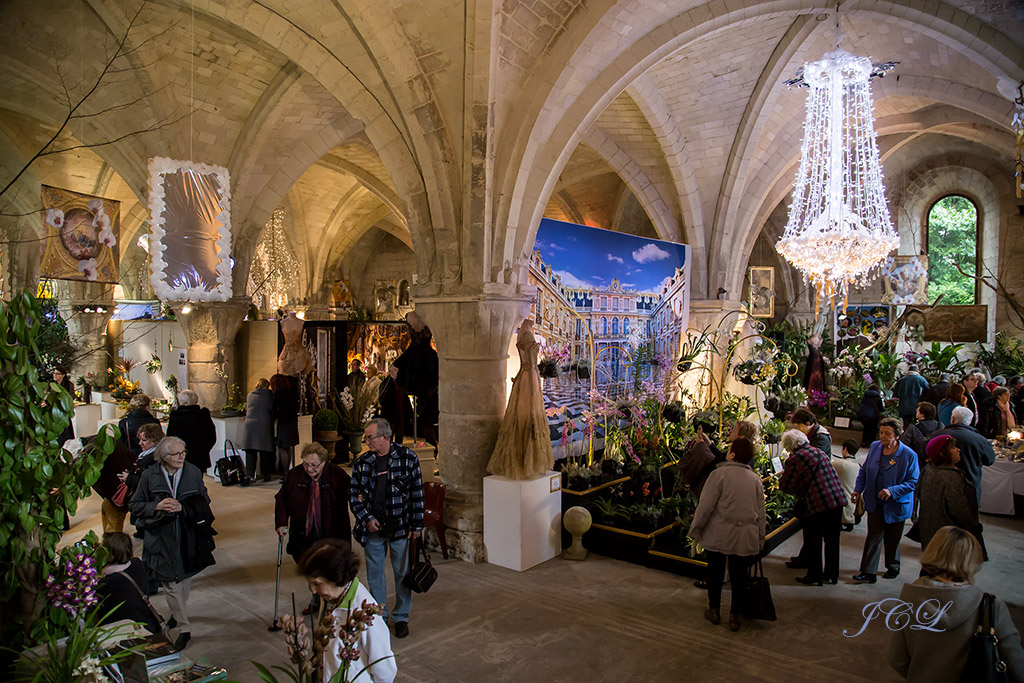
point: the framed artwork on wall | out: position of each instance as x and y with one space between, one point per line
80 236
190 241
906 280
953 323
762 292
385 294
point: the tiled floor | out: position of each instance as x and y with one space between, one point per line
598 620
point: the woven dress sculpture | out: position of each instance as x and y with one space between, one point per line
523 449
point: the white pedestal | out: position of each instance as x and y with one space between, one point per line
87 418
110 410
228 428
522 520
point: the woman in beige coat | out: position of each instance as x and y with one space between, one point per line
730 525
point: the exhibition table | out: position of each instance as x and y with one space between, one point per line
1000 482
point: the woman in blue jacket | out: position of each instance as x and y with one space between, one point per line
886 484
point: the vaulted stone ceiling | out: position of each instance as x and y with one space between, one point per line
454 126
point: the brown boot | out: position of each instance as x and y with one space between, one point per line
713 615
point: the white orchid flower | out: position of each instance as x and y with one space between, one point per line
96 206
106 238
88 268
101 221
55 218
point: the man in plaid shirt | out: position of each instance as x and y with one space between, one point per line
386 495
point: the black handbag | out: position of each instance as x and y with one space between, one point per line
421 575
984 664
757 602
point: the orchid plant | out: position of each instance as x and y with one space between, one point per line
306 650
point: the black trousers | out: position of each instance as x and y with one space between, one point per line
822 527
880 532
738 565
266 459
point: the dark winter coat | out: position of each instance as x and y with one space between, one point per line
129 426
917 436
259 421
947 499
975 452
195 427
696 465
286 412
165 533
115 589
120 460
292 504
936 393
991 419
819 437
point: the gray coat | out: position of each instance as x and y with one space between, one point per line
162 531
975 452
730 517
939 655
259 421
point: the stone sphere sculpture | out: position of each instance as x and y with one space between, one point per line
577 522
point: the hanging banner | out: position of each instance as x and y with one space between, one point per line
80 236
190 240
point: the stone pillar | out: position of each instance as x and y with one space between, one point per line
472 334
722 315
87 331
210 329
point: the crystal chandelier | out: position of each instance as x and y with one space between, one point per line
273 276
839 230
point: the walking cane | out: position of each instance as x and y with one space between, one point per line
277 584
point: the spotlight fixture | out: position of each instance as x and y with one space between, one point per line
186 309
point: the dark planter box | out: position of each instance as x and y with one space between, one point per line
668 555
622 544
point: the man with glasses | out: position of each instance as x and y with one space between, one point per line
315 498
387 501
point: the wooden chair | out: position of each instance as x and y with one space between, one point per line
433 509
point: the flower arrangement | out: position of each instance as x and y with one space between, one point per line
154 364
356 410
74 641
553 357
123 388
306 650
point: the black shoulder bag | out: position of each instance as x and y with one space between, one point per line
421 575
984 664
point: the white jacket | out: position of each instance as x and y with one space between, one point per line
374 644
730 516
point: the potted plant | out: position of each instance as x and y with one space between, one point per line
235 403
771 431
44 481
325 424
353 411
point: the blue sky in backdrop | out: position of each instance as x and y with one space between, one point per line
592 257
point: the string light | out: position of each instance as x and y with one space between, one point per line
274 275
839 230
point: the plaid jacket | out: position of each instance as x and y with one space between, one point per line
405 498
808 474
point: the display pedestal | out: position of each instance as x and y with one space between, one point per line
87 418
228 428
522 520
110 410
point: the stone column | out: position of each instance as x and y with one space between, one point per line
722 315
472 334
210 329
87 331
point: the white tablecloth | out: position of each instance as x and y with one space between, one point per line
999 483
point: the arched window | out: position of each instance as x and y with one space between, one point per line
604 325
625 326
952 240
615 325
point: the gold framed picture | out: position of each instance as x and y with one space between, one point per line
762 292
906 281
81 233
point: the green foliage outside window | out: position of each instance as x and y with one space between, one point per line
952 240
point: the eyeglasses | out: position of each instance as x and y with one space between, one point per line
175 455
368 439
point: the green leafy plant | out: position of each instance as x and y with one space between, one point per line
771 431
39 480
325 420
937 360
235 402
154 364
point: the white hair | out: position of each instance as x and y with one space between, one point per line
792 439
187 397
961 416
